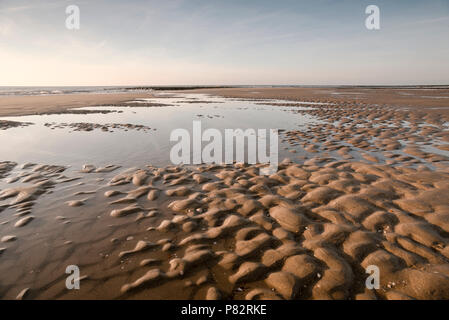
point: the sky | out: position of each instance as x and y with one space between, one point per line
227 42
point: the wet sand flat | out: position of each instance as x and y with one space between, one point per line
361 182
430 98
26 105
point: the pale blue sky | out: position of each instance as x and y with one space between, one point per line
223 42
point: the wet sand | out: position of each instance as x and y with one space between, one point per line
433 100
372 190
27 105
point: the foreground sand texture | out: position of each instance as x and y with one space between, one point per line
372 190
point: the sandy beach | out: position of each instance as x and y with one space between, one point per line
363 183
27 105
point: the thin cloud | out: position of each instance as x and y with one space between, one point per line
434 20
28 7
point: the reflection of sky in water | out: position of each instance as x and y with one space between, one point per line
41 144
432 149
